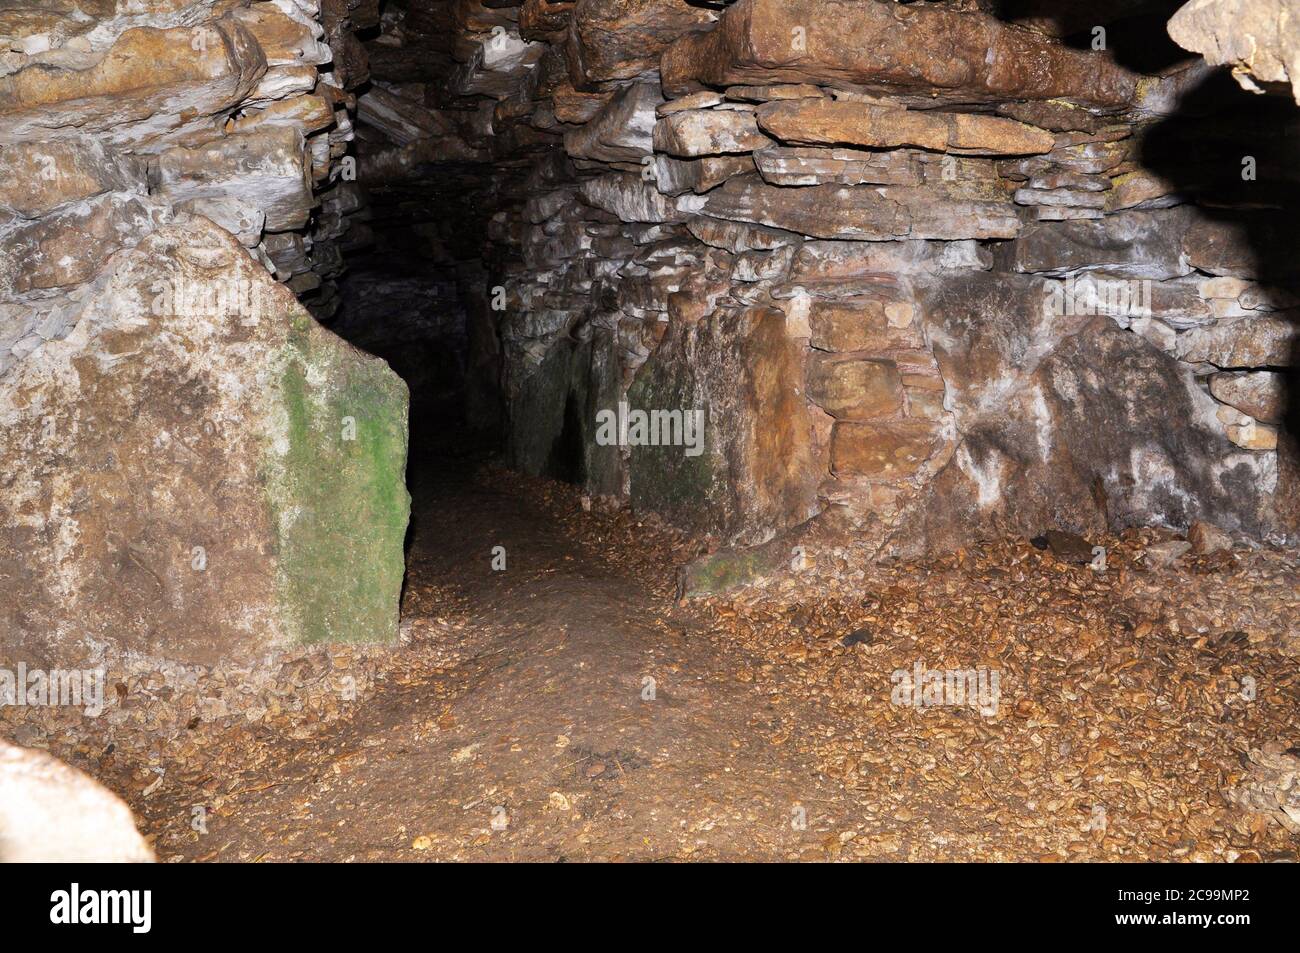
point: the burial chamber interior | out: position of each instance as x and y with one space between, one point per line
959 271
573 216
809 287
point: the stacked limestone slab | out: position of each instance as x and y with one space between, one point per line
1016 283
193 467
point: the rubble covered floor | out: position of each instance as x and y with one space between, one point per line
1122 727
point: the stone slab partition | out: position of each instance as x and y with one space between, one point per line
193 467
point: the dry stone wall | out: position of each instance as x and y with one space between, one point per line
937 274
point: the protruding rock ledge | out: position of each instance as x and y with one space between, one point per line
937 53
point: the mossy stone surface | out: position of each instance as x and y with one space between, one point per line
336 472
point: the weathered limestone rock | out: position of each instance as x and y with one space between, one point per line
622 39
863 324
1139 189
864 214
633 199
621 131
836 264
1089 157
850 388
52 813
675 176
151 83
882 451
1259 39
497 63
821 121
736 237
545 19
1245 246
1261 394
1242 342
38 177
1071 421
1207 538
755 473
704 99
285 40
402 120
1126 245
199 470
262 168
1060 198
708 132
556 408
769 94
66 247
930 50
576 106
779 165
728 250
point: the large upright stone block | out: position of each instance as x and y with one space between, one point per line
197 469
757 472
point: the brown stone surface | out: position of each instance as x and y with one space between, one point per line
868 214
277 182
849 388
1261 394
1073 422
1242 342
769 242
152 82
882 451
926 50
36 178
755 474
68 246
705 132
821 121
1130 244
674 176
863 324
621 131
780 165
177 500
622 39
1257 245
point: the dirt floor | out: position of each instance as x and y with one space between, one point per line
570 708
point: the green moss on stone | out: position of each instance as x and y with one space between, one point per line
726 570
339 506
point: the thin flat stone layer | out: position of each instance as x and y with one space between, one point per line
820 121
